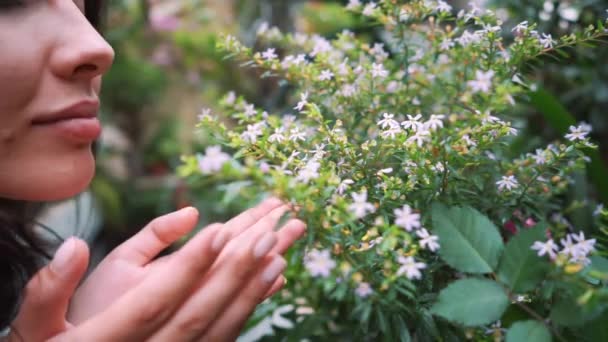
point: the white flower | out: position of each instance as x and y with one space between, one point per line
549 247
319 263
308 172
443 6
326 75
406 218
369 9
391 132
250 110
378 51
469 38
388 121
353 4
578 133
344 185
435 122
295 134
413 123
213 160
410 267
348 90
598 210
584 246
521 27
204 114
269 54
546 41
303 102
322 45
427 240
540 157
507 182
360 206
467 140
230 98
278 135
482 81
252 133
446 44
364 290
378 70
420 137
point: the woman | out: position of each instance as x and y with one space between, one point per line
51 63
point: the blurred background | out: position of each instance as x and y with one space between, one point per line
167 70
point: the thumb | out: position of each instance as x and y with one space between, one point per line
47 295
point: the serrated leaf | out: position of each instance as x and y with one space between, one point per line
529 331
470 242
472 302
520 268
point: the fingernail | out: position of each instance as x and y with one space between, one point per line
274 269
265 244
220 240
63 256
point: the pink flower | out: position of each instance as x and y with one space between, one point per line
529 223
510 227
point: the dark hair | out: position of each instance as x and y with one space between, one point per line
21 249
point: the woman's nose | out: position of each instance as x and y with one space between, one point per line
81 53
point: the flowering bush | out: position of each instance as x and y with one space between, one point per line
396 154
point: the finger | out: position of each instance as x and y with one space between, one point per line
159 234
229 325
159 262
249 217
292 231
218 288
145 309
266 223
47 295
276 287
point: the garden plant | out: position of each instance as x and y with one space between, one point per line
421 226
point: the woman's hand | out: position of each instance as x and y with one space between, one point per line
133 261
206 290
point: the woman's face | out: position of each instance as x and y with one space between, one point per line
51 62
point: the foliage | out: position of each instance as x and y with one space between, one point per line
399 161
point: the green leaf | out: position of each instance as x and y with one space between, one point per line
529 331
472 302
470 242
520 268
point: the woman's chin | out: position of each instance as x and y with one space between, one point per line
53 182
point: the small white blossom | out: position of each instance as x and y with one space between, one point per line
348 90
446 44
326 75
360 206
482 81
540 157
410 267
584 246
546 41
205 114
443 6
295 134
213 160
378 71
250 110
468 38
578 133
230 98
388 121
344 185
322 45
507 182
413 123
391 132
253 132
549 247
468 141
598 210
364 290
269 54
303 102
434 122
369 9
427 240
521 27
353 4
309 172
420 137
319 263
278 136
406 218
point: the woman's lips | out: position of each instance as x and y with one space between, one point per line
78 123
